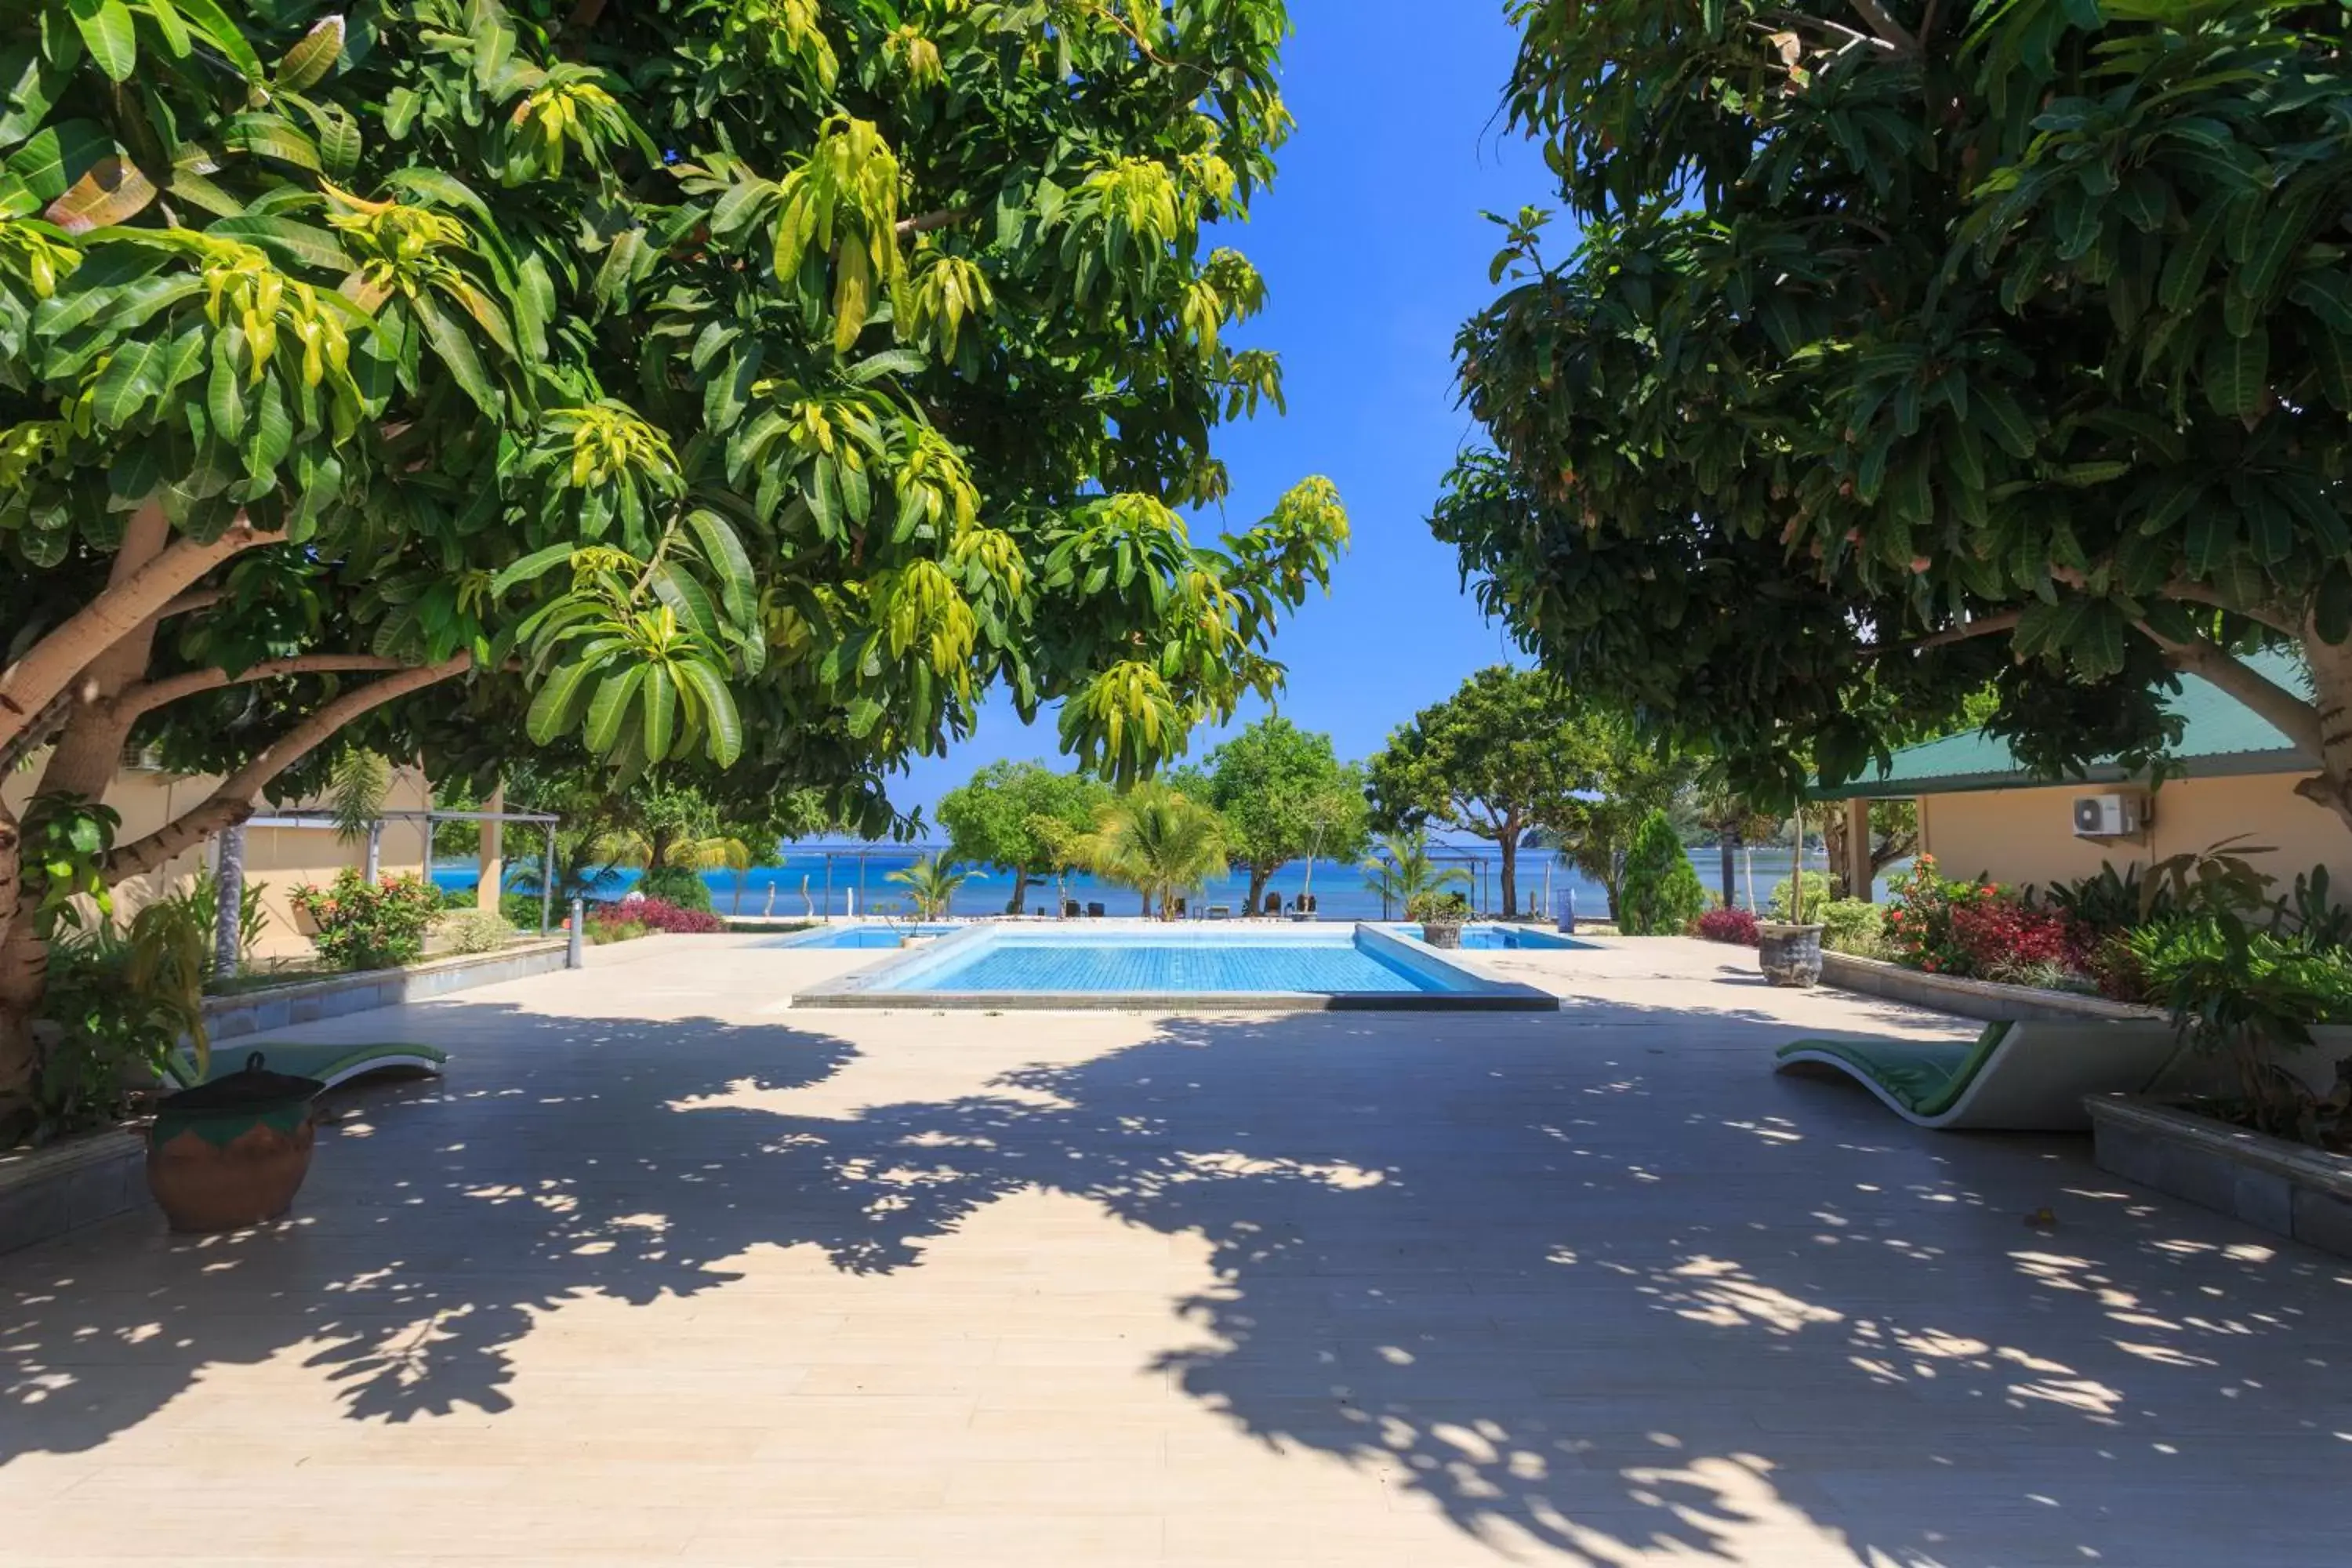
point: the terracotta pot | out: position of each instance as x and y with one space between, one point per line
1442 933
1788 954
232 1152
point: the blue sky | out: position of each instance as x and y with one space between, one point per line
1373 252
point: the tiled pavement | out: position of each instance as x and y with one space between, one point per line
667 1271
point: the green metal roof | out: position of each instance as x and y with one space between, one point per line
2220 736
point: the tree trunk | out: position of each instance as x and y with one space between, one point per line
1019 890
19 992
229 933
1729 844
1258 875
1508 843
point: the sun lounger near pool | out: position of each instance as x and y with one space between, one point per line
2022 1077
329 1063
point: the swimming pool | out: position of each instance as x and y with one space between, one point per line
1489 939
873 936
1141 964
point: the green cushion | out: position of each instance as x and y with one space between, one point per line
303 1058
1926 1077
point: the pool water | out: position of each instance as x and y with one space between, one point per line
1174 966
873 936
1489 939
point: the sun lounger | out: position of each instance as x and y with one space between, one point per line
2022 1078
329 1063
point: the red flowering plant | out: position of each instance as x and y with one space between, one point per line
1973 930
652 915
1919 930
1732 925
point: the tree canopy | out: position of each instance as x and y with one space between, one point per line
1019 817
1159 841
1909 347
745 388
1284 795
1504 755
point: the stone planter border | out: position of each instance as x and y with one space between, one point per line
1982 999
45 1193
2287 1189
332 996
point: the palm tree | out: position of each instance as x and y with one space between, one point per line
931 883
1403 871
1158 843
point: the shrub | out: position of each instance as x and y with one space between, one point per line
1443 907
521 910
365 925
1732 925
602 931
1919 928
648 915
476 930
680 885
456 898
1854 926
1659 893
1817 895
2000 935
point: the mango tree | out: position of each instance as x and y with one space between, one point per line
744 387
1914 345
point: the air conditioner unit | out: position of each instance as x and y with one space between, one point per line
2109 815
143 758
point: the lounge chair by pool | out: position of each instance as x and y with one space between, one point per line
329 1063
2022 1077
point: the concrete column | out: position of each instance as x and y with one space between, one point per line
492 858
1857 849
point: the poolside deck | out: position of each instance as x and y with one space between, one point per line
666 1270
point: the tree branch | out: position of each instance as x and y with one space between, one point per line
152 695
944 218
1982 626
2295 719
28 686
1883 24
193 600
232 800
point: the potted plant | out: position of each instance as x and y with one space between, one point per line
234 1152
1789 952
1440 916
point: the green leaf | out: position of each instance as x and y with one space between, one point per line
301 243
2236 373
270 136
224 36
536 564
722 726
272 432
455 351
661 712
1996 413
552 710
61 154
723 552
109 33
313 56
29 85
133 376
610 708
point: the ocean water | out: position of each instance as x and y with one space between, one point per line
815 881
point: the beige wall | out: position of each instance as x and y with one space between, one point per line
2027 835
278 856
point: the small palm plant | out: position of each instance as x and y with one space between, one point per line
1157 842
931 883
1405 871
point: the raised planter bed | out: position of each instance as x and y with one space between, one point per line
1983 999
332 996
2287 1189
45 1193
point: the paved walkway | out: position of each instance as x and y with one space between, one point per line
665 1271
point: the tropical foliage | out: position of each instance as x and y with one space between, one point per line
698 386
1284 795
1160 842
359 924
1660 894
931 883
1909 347
1504 755
1403 872
1020 817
